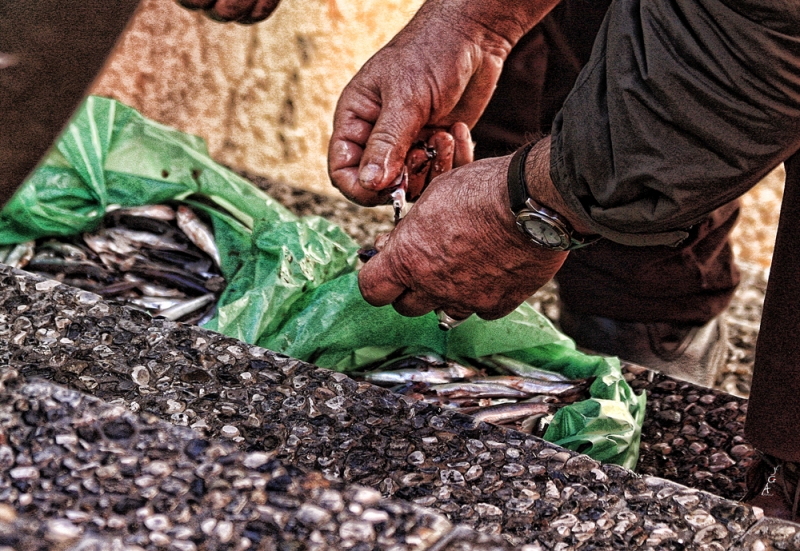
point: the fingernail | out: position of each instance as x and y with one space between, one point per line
370 175
461 132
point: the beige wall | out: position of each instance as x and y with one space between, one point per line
262 95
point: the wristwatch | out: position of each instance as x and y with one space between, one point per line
542 225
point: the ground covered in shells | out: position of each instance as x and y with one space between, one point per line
118 431
138 466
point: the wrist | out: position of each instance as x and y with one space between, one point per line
541 189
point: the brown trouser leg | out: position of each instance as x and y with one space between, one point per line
773 417
691 283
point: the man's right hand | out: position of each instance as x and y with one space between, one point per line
440 69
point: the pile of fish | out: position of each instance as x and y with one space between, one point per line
157 258
502 391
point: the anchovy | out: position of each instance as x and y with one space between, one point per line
477 390
70 267
21 254
530 386
183 281
198 233
101 243
115 288
4 251
186 307
156 212
144 239
521 369
154 303
153 290
507 413
66 250
432 375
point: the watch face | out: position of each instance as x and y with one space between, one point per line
543 233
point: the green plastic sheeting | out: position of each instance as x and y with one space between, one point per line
292 284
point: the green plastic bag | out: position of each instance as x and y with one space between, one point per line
292 284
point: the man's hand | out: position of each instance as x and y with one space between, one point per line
241 11
442 68
459 249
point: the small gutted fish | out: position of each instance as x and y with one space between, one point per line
477 390
509 413
531 386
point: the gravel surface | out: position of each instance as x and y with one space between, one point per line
494 481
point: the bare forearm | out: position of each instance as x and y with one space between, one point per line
503 22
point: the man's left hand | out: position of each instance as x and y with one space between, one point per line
458 249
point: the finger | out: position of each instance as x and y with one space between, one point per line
231 10
443 143
418 162
464 147
380 241
384 155
414 303
196 4
377 282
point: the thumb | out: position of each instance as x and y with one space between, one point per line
391 138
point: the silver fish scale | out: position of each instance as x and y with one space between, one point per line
330 430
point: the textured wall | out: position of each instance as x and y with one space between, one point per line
262 95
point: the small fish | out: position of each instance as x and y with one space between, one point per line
153 290
508 413
432 375
521 369
156 212
66 250
144 239
477 390
531 424
183 281
198 233
101 243
51 265
4 251
21 254
154 303
530 386
186 307
115 289
399 195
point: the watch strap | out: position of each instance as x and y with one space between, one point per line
517 186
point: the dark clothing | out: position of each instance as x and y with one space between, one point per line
773 415
690 283
683 106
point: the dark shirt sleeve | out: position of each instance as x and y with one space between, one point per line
683 106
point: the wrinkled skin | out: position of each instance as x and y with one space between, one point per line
241 11
458 249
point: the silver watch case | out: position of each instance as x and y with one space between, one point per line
544 227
